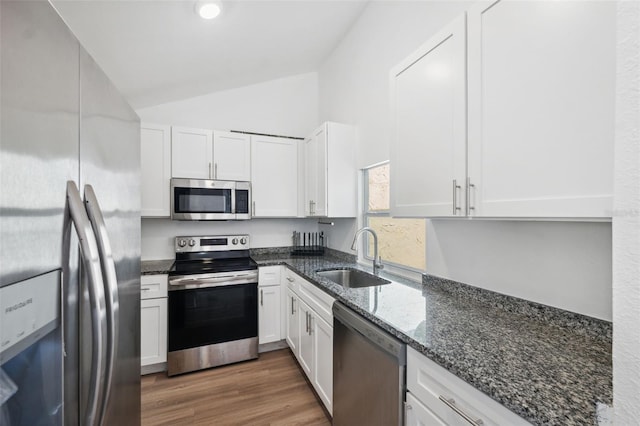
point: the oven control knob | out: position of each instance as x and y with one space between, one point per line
192 243
182 243
234 241
243 241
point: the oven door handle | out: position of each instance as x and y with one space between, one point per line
218 281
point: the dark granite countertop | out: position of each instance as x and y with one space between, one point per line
153 267
549 366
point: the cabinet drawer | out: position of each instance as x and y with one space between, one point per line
430 383
318 300
291 279
269 275
417 414
153 286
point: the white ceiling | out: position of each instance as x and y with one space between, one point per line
157 51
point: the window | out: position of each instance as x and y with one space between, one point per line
401 242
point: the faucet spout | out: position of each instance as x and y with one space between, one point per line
377 261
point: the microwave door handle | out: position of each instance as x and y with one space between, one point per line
233 201
90 257
110 288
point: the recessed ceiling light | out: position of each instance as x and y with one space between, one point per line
208 9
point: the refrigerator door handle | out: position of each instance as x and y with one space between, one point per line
90 257
110 288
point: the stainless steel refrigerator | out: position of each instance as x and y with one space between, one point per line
69 230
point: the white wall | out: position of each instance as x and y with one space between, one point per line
566 265
626 221
158 234
286 106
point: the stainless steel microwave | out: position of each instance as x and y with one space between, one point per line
204 199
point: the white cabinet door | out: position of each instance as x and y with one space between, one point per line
419 415
274 176
155 169
428 158
330 171
541 108
320 158
293 322
231 156
153 331
269 314
191 153
322 334
311 175
306 350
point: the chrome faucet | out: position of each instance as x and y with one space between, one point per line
377 261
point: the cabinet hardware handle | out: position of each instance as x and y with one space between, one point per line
145 289
253 208
209 169
407 407
307 320
310 324
261 297
290 279
451 403
455 197
469 206
292 311
215 170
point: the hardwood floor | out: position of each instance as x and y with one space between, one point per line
267 391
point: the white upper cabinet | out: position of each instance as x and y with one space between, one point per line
274 171
191 153
537 116
429 121
541 108
330 171
155 169
231 156
207 154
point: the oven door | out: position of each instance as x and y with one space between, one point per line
199 199
207 316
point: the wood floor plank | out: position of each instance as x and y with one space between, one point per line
267 391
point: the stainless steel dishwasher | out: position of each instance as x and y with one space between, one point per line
368 372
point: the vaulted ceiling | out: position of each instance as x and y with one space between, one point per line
159 51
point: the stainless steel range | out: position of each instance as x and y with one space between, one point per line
213 303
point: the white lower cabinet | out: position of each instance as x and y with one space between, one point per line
306 350
322 333
269 314
310 333
437 397
153 320
269 304
292 321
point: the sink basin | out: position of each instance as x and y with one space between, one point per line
352 278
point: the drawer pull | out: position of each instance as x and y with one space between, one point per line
290 279
451 403
145 289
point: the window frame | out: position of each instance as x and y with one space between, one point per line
366 214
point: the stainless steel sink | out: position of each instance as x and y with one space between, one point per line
352 278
